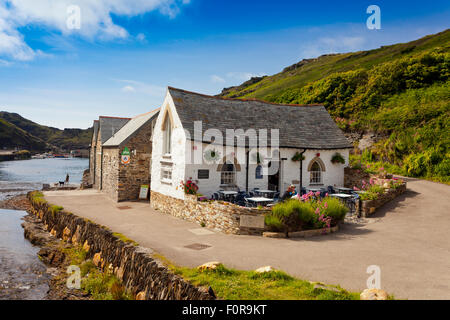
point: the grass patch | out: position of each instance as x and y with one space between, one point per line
100 285
125 239
230 284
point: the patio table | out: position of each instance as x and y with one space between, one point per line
314 189
260 199
228 194
344 190
265 193
341 195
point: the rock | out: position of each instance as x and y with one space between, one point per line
141 296
66 234
264 269
97 260
374 294
86 246
209 266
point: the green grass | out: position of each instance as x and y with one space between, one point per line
125 239
232 284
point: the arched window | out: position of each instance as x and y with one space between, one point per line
258 172
228 174
316 173
167 135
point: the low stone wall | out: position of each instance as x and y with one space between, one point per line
221 216
302 234
369 207
139 271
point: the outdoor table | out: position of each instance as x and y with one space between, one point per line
341 195
344 190
260 199
314 189
265 193
228 194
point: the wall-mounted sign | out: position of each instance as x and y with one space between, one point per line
144 192
125 157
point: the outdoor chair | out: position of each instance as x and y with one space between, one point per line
303 191
215 196
331 190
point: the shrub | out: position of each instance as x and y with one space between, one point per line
334 208
291 215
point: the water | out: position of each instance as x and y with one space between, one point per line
21 176
22 275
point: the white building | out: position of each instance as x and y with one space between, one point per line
213 141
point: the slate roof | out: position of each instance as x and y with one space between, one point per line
130 129
108 126
95 134
300 126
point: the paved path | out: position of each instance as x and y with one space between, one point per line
409 238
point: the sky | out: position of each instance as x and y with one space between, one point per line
63 63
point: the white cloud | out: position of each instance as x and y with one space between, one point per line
96 21
128 89
216 79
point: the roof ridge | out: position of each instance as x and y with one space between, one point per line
248 99
108 117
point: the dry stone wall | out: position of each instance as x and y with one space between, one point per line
140 272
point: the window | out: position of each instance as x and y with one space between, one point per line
316 173
203 174
166 174
167 135
258 172
228 174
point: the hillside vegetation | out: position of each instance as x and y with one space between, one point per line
400 92
16 131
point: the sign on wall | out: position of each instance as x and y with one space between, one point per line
144 192
126 156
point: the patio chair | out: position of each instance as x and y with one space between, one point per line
331 190
323 192
215 196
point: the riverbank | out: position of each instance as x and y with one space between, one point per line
19 202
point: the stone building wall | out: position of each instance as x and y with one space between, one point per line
110 175
98 162
137 172
221 216
141 273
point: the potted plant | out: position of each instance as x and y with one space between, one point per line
298 157
337 158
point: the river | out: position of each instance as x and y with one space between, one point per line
22 275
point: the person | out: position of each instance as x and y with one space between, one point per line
290 192
67 178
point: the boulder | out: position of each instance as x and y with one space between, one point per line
209 266
140 296
264 269
97 260
374 294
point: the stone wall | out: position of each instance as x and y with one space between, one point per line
139 271
354 177
137 172
369 207
110 174
221 216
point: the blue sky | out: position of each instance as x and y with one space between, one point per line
126 52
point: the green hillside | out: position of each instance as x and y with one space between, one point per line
16 131
12 136
401 93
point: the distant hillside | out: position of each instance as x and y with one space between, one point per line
16 131
398 93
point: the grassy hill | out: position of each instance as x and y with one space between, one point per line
401 93
16 131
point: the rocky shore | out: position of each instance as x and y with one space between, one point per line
50 252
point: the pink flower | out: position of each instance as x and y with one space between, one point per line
325 205
355 188
317 211
317 193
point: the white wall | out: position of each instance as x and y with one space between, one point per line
333 175
177 158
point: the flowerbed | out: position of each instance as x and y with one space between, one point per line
308 212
